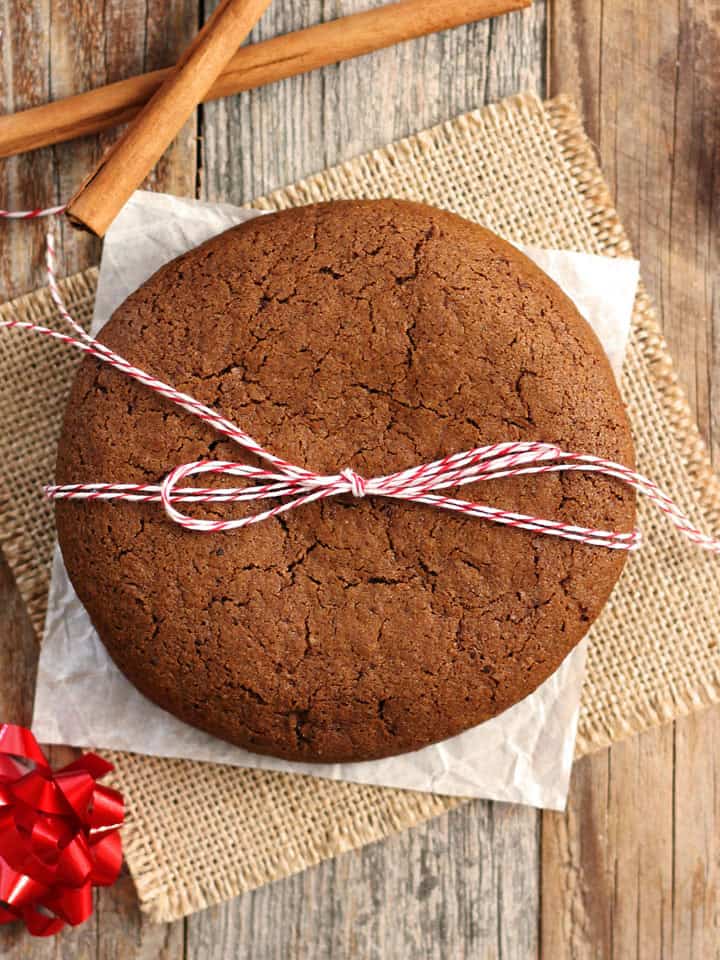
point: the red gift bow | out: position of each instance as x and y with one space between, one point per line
59 834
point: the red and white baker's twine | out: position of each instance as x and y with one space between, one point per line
31 214
295 486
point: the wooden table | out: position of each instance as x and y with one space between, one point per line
633 868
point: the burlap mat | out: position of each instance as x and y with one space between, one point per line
200 833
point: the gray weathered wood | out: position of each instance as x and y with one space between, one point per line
696 853
270 137
632 870
52 48
607 882
463 886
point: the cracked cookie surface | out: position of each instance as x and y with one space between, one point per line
375 335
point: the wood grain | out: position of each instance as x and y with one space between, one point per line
650 93
123 168
52 48
607 863
26 181
632 870
696 861
253 65
267 138
462 886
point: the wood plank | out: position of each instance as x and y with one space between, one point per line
50 49
53 48
26 182
631 870
466 885
125 934
691 306
267 138
696 892
607 862
574 922
461 886
18 652
651 84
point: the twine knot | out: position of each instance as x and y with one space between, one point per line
357 483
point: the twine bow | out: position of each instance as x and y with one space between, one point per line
58 835
295 486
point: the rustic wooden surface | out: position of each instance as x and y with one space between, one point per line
631 870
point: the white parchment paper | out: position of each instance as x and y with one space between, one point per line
524 755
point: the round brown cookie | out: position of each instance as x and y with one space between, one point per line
372 335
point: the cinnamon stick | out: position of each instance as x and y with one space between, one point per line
252 66
127 163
